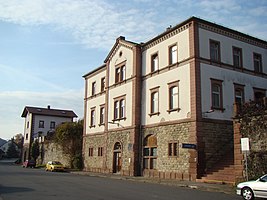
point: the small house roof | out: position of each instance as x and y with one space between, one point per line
48 112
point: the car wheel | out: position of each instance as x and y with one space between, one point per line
247 193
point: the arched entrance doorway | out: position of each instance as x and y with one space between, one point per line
117 161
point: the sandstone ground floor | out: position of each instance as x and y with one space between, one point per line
183 150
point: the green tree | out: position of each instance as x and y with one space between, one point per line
35 150
69 136
12 150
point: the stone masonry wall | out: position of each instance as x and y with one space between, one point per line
170 167
107 141
94 162
52 151
250 121
217 139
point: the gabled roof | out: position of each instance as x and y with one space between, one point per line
48 112
119 40
102 67
196 19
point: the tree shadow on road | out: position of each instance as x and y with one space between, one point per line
5 190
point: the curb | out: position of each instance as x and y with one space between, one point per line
210 187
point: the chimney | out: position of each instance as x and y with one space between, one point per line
48 107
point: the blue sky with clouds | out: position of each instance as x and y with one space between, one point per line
48 45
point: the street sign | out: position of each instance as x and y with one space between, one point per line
189 146
244 144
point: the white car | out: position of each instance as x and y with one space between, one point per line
251 189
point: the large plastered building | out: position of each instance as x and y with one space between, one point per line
164 108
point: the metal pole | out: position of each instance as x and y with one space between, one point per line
246 160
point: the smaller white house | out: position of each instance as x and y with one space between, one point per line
39 122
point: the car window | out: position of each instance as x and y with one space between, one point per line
264 178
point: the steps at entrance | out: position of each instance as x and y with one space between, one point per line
223 172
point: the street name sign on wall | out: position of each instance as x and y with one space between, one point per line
189 146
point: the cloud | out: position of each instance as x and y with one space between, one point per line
93 23
96 23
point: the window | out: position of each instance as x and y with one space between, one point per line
215 51
150 152
239 94
120 73
102 114
123 73
257 62
27 135
103 84
28 124
154 102
237 57
173 149
216 94
41 124
259 94
92 123
93 88
100 151
154 62
173 54
119 108
52 125
122 108
173 96
91 151
116 109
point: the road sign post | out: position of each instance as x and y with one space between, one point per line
245 151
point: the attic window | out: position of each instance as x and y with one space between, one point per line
39 110
63 112
120 54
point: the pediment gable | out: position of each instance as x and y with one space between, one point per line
120 41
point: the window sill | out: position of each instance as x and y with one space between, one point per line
93 126
173 110
101 124
119 119
151 114
219 109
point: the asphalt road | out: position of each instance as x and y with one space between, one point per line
17 183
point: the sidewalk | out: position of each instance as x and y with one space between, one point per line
224 188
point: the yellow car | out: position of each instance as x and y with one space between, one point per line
54 166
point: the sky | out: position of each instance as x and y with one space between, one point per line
46 46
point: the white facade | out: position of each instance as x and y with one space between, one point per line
40 121
178 88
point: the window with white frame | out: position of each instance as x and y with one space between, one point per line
154 62
216 94
93 88
173 54
257 62
120 72
92 117
239 93
237 57
154 101
103 84
214 50
173 96
102 114
119 108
